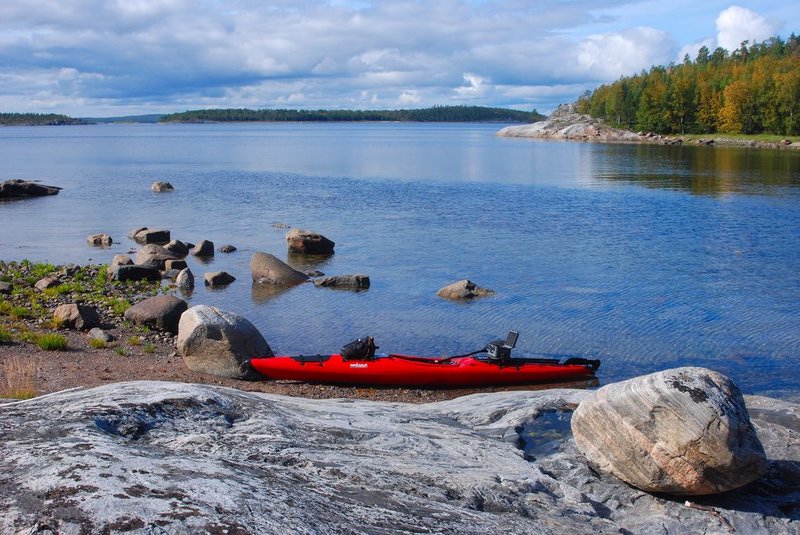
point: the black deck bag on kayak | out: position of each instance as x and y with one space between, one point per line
361 349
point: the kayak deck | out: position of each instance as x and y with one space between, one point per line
431 372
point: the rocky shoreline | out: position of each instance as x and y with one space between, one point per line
566 124
162 457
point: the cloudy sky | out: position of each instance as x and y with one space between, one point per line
118 57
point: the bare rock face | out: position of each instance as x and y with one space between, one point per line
307 242
346 282
161 457
132 234
20 189
99 240
153 255
268 269
174 264
219 343
161 186
227 248
683 431
148 235
161 312
75 316
121 260
463 289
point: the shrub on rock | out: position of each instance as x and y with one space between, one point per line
683 431
267 269
161 312
75 316
307 242
219 343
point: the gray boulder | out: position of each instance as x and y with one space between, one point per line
132 234
99 240
6 288
161 312
683 431
307 242
177 247
218 278
157 236
75 316
227 249
463 289
161 186
121 260
347 282
219 343
185 280
96 333
19 189
203 248
153 255
267 269
132 272
47 282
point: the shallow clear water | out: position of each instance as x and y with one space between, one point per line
646 257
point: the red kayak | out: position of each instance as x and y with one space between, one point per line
410 371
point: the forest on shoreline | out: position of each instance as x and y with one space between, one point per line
752 90
445 114
37 119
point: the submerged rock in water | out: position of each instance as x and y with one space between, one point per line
463 289
268 269
179 458
346 282
161 186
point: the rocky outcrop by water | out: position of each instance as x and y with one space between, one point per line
20 189
567 124
463 289
157 457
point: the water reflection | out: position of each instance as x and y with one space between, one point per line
262 293
702 170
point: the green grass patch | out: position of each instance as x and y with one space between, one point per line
120 351
51 342
135 341
96 343
5 336
149 348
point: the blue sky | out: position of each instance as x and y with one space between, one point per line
119 57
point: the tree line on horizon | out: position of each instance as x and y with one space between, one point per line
434 114
37 119
752 90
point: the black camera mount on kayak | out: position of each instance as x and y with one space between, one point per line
500 350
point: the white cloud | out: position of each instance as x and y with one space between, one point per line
737 24
163 55
610 55
693 48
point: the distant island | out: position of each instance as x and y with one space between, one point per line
37 119
444 114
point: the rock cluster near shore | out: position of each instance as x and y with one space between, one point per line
180 458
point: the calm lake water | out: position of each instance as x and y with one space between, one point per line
646 257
